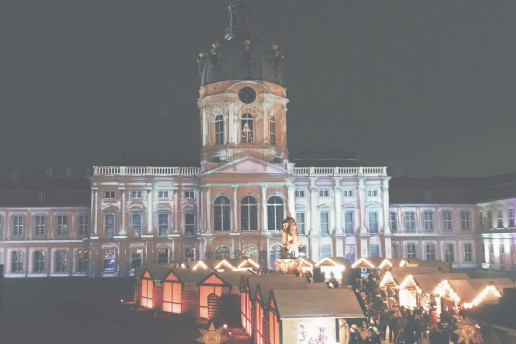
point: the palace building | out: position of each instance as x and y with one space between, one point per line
231 202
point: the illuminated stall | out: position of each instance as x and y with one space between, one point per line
172 293
338 266
147 290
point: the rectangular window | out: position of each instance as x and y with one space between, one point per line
163 194
39 224
373 222
347 193
428 221
39 262
447 221
136 224
448 253
411 251
189 194
61 261
374 251
136 258
17 261
410 222
163 225
502 254
300 222
511 217
481 218
110 194
324 193
465 220
163 256
468 252
393 222
62 225
109 225
430 251
325 222
395 250
190 254
84 224
272 129
350 253
299 193
489 219
83 260
136 194
189 225
349 222
372 192
500 219
17 225
109 260
325 251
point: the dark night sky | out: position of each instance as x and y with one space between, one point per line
425 88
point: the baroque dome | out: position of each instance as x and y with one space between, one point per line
240 56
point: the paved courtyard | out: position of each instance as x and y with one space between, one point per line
80 310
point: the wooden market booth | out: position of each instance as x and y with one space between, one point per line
338 266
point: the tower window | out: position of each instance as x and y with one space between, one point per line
272 129
247 127
219 129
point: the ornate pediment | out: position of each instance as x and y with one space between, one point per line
249 165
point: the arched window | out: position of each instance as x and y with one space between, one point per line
274 253
250 251
274 213
247 127
219 129
272 130
222 214
222 252
249 214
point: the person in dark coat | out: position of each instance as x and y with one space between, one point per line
354 335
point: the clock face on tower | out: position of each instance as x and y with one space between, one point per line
247 95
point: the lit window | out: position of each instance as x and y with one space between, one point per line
349 221
189 194
222 252
163 194
410 222
350 253
249 214
190 254
274 254
468 252
84 225
39 262
411 251
136 194
109 225
109 260
61 261
17 261
448 253
163 256
62 225
325 222
324 193
136 258
190 224
393 222
109 194
428 221
39 225
17 225
430 251
274 213
373 222
272 129
300 223
250 251
163 225
465 220
219 129
83 260
447 221
136 224
500 219
247 127
300 193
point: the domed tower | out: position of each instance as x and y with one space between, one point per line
242 99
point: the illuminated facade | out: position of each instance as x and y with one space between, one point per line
231 203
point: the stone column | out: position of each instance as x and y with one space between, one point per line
123 206
264 207
361 211
232 136
234 225
337 202
176 210
94 203
208 212
150 224
313 208
291 199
